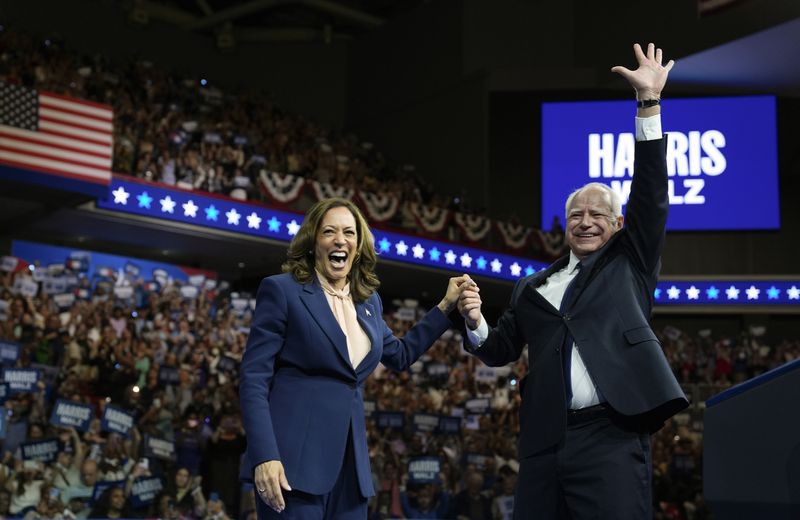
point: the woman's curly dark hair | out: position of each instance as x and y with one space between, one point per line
300 256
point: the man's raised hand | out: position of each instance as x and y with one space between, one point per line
649 78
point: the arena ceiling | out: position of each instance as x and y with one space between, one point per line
234 21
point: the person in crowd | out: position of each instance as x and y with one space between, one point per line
165 508
83 489
216 508
67 467
188 494
5 503
49 506
472 503
112 503
317 334
26 488
190 442
600 382
425 502
503 502
225 449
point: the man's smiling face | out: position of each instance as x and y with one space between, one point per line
590 221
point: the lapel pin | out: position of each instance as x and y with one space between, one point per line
368 313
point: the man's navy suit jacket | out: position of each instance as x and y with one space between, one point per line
608 317
299 393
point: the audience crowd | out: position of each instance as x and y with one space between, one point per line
442 436
189 133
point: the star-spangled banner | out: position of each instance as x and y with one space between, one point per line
159 201
727 292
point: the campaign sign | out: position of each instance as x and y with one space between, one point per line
369 407
145 490
159 448
477 460
168 375
721 157
21 380
54 285
450 425
438 370
25 286
9 352
478 406
390 420
132 269
161 276
425 422
4 393
189 292
65 300
485 374
3 425
8 263
424 470
102 485
79 261
123 292
116 420
70 414
472 422
227 363
239 305
45 451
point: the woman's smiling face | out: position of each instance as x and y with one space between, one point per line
336 246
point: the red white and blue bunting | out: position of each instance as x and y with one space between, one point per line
282 188
475 227
552 245
325 190
429 219
379 207
514 235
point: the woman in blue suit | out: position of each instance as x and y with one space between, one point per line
317 334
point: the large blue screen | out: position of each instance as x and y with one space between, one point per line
722 158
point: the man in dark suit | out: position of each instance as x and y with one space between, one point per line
599 382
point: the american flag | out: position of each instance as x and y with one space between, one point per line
55 134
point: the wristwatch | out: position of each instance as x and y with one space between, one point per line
647 103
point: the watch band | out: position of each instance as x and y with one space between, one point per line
647 103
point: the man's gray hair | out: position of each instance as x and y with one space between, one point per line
616 201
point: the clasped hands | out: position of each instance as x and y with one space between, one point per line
468 300
463 293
